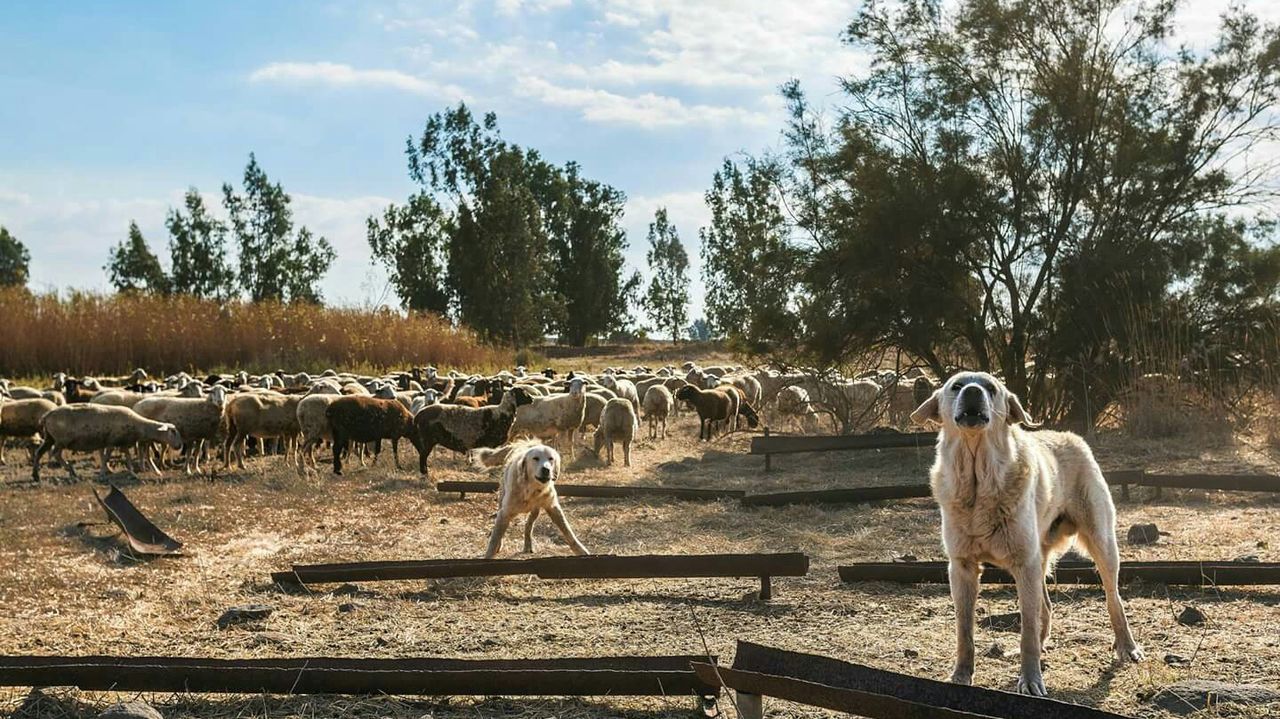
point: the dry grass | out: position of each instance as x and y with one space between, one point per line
67 590
113 334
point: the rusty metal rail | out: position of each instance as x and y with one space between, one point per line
650 676
1181 573
143 536
652 566
837 496
598 491
760 671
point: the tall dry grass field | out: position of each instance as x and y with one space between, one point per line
92 333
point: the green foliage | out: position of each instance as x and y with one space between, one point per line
1018 186
667 300
700 331
749 266
275 262
133 267
198 251
526 247
409 241
15 260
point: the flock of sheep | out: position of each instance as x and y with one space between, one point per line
181 420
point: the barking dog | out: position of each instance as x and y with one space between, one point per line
1016 499
528 487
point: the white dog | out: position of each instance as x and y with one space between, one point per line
528 487
1015 499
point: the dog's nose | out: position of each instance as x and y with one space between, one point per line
544 475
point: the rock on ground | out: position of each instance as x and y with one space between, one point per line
1193 695
131 710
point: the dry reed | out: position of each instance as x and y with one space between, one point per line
93 333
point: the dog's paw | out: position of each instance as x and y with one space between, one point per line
1132 653
1033 685
962 676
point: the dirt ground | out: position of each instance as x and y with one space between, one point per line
67 589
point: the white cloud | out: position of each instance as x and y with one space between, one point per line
647 110
340 75
515 7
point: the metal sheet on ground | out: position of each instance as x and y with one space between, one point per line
1179 573
143 536
651 676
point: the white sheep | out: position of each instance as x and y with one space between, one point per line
624 388
99 428
20 418
198 419
658 403
549 418
618 423
314 426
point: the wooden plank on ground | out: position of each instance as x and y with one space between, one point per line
598 491
775 444
1192 573
837 496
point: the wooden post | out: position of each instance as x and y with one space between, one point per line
750 706
1124 490
768 458
766 589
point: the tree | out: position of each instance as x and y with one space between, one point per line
15 260
667 301
133 267
1021 186
700 331
198 251
275 262
586 242
409 241
527 247
748 265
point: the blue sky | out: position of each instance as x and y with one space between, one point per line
111 114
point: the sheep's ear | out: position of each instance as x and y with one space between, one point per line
1018 415
928 412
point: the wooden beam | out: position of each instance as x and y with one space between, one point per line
1192 573
841 442
598 491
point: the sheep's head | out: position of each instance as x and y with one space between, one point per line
384 391
576 386
138 375
218 395
168 434
517 396
687 392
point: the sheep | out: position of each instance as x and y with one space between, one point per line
618 423
711 405
23 392
594 405
101 428
463 429
794 402
77 391
548 418
369 419
118 398
313 425
198 420
261 415
21 418
624 388
658 403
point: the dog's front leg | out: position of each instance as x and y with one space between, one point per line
963 576
499 529
1030 582
558 518
528 530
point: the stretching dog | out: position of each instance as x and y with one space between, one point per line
1016 499
529 471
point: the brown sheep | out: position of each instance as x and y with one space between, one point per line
463 429
711 405
369 419
261 415
21 418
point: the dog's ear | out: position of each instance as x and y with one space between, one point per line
928 411
1018 415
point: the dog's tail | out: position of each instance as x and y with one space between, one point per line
490 456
